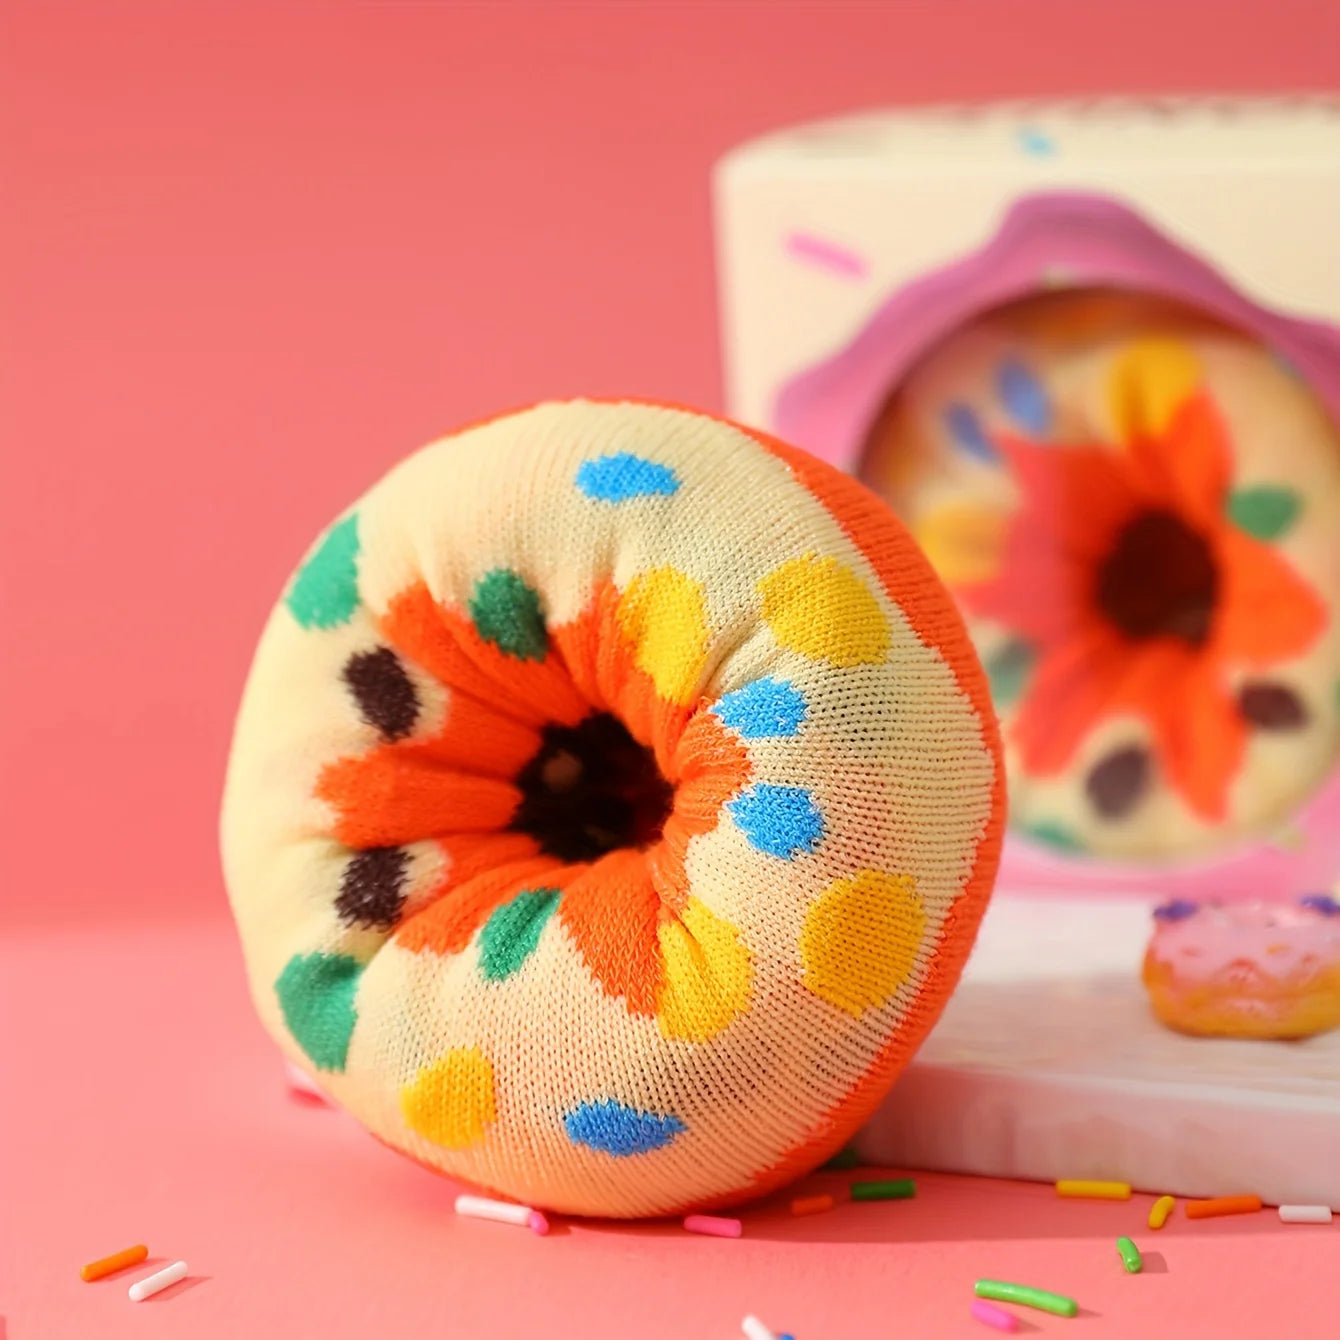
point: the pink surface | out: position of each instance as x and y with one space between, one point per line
252 253
142 1103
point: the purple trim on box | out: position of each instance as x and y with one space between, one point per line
1093 241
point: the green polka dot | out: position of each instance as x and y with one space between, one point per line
1266 511
507 613
324 594
510 935
1051 833
316 996
1008 669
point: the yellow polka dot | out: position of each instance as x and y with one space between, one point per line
962 540
451 1102
860 939
707 975
1148 381
663 614
822 610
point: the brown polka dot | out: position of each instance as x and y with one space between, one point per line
372 889
1116 784
1272 706
383 691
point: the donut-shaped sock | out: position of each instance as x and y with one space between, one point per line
613 802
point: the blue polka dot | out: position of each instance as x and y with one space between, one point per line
623 476
780 820
966 429
1024 397
614 1128
765 707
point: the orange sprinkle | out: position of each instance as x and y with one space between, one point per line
131 1256
1210 1209
811 1204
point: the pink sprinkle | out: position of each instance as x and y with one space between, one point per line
714 1226
828 255
537 1223
991 1315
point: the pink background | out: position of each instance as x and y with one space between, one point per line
251 254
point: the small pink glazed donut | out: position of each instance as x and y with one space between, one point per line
1246 970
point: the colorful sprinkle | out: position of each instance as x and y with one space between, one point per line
502 1212
803 1205
827 255
820 609
506 612
1001 1291
991 1315
779 820
324 594
896 1188
513 931
622 476
1178 909
1054 834
372 888
384 692
1265 511
1321 902
615 1128
1130 1256
1094 1190
156 1283
452 1102
756 1330
316 997
663 614
108 1265
966 431
860 940
713 1226
1305 1214
1024 397
762 710
1160 1210
707 974
1218 1206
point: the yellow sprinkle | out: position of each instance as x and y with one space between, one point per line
1160 1210
1095 1190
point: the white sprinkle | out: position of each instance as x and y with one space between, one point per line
478 1207
152 1284
755 1329
1305 1214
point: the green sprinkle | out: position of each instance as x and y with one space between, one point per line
842 1160
1265 511
900 1188
1001 1292
1130 1256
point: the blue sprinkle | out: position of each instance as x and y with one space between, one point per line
622 476
966 430
1321 902
1024 397
1036 142
780 820
614 1128
765 707
1177 910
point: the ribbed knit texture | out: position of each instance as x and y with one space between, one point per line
613 803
